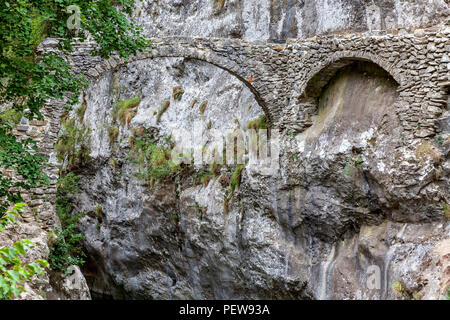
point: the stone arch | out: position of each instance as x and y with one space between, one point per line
196 51
319 76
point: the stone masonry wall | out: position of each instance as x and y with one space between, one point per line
286 79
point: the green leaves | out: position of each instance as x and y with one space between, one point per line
17 156
28 81
67 249
11 215
355 162
12 271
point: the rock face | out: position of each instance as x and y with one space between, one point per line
39 220
328 225
334 221
281 19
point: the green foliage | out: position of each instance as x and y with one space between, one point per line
257 124
81 111
69 184
37 28
200 209
154 160
446 210
291 134
13 273
356 162
67 249
398 288
165 105
11 215
73 144
205 178
16 155
214 168
28 80
10 117
426 151
236 178
99 211
125 110
113 134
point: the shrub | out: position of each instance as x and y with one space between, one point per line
69 184
257 124
81 111
219 3
73 144
113 134
99 211
125 110
446 209
426 151
67 249
10 117
236 178
225 205
194 102
200 209
154 160
356 162
399 289
206 178
215 169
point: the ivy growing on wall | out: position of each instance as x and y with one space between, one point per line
28 80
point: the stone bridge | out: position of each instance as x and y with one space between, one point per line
287 78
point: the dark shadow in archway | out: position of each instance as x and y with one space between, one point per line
322 78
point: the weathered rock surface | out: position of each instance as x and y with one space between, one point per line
333 223
280 19
313 230
356 207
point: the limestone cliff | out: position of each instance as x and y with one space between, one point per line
335 208
356 209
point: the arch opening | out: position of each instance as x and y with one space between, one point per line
213 60
349 98
322 78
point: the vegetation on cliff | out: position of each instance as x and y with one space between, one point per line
29 79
